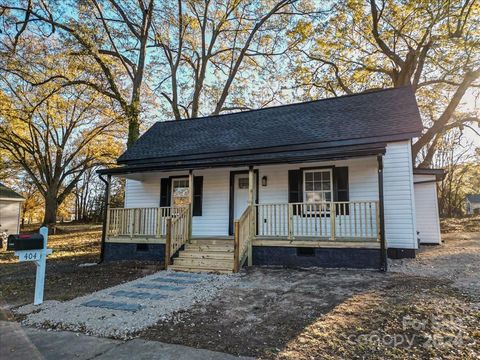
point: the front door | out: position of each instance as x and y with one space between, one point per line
239 195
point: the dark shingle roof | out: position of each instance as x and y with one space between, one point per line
473 198
7 193
362 118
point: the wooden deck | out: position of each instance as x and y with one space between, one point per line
332 225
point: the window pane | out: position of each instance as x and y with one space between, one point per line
309 186
313 197
317 186
328 196
318 175
308 176
326 185
326 175
243 183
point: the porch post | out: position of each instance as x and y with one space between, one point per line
190 215
383 247
106 215
251 178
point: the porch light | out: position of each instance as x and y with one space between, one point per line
264 181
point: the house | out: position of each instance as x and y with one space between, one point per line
322 183
10 210
426 204
473 204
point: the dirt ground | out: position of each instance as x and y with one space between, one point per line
67 277
415 311
460 225
427 307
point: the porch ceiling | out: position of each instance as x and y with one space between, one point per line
266 158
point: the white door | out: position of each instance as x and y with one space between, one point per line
240 195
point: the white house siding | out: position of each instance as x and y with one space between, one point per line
399 199
10 216
144 191
215 201
363 186
426 207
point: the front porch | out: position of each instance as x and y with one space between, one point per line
333 225
233 217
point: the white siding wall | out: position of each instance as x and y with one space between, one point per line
399 200
363 186
426 207
362 173
142 193
363 182
215 205
10 216
215 202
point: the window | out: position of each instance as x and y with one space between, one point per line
243 183
180 192
317 186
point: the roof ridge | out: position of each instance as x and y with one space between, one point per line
366 92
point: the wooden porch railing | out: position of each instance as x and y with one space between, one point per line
178 232
138 221
338 220
243 236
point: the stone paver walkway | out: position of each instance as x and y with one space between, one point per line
125 309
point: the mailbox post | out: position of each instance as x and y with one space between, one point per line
33 248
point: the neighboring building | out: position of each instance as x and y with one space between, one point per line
426 204
473 204
322 183
10 210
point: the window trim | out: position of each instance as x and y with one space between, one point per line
323 211
330 170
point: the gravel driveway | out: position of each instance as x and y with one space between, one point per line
128 308
457 260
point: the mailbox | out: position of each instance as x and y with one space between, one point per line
25 242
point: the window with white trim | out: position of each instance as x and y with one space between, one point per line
180 192
317 185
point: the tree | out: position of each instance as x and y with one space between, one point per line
429 45
56 140
111 37
462 172
208 45
33 206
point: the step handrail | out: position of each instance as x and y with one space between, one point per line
178 233
243 235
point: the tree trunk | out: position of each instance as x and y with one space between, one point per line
51 207
133 114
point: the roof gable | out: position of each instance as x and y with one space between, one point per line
370 115
7 193
473 198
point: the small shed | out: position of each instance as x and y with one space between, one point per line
473 204
10 210
426 204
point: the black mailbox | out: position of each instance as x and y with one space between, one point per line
25 242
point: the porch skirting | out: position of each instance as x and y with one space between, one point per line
321 257
134 251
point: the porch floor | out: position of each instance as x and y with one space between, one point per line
320 242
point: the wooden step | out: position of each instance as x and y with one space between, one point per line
199 269
201 248
211 242
204 263
206 254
